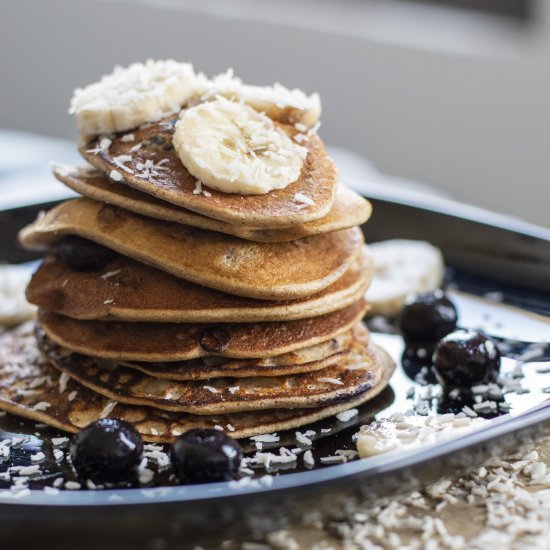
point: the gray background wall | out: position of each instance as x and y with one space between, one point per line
457 101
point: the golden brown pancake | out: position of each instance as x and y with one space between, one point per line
170 181
269 271
348 209
127 290
31 388
206 368
303 360
181 341
353 375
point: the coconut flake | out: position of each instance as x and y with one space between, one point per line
108 409
266 438
63 381
335 381
304 199
345 416
116 176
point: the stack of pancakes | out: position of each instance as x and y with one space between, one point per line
216 310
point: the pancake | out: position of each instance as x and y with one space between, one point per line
353 375
170 181
304 360
31 388
206 368
181 341
348 209
269 271
127 290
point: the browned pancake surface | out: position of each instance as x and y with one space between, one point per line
180 341
31 388
307 359
131 291
353 375
348 209
277 271
170 181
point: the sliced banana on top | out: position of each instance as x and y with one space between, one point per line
131 96
233 148
402 268
277 102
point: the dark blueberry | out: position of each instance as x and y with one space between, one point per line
84 255
202 455
464 359
428 318
417 363
107 451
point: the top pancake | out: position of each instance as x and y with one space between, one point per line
267 271
348 209
171 181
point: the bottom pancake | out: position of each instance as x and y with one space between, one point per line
352 375
31 388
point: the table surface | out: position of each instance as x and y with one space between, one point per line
504 504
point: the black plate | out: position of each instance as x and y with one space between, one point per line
485 253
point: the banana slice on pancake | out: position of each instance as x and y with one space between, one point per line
134 95
402 268
277 102
147 161
231 147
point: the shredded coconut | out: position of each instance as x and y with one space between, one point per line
345 416
108 409
63 381
265 438
335 381
42 406
116 176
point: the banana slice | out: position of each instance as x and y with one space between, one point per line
134 95
231 147
277 102
402 268
14 307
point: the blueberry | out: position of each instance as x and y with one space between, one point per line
428 318
107 451
84 255
417 363
203 455
465 358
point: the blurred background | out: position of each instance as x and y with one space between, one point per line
448 97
